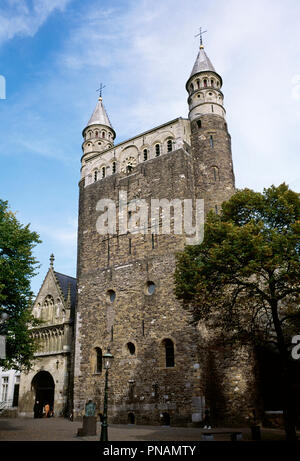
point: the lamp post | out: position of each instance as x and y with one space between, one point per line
108 359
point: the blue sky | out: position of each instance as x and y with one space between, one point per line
55 53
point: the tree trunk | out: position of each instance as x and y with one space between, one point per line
288 409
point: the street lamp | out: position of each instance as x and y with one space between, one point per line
108 359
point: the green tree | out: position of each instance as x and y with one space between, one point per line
244 277
17 267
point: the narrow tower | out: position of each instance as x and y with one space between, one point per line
210 139
98 135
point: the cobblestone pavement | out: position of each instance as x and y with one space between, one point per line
60 429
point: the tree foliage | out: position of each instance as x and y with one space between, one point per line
17 267
244 277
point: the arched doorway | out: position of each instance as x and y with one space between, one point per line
43 385
166 420
131 418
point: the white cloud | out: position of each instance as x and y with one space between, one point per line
24 18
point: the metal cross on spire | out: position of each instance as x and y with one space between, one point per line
200 35
100 90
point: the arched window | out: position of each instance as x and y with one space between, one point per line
145 152
111 295
212 82
169 145
96 134
103 171
211 141
198 83
114 167
98 365
169 353
95 175
131 348
215 172
205 83
157 150
199 123
90 133
191 88
103 134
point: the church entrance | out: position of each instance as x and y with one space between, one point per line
43 385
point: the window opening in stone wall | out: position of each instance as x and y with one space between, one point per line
216 209
103 134
199 123
95 176
157 150
4 393
215 173
103 172
131 348
169 145
129 248
212 108
169 353
211 141
143 327
153 245
114 167
96 134
112 333
205 83
145 155
111 295
151 287
98 360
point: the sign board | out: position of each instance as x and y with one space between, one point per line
2 347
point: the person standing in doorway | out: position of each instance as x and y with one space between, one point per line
36 409
47 410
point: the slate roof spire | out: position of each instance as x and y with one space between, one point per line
202 63
99 116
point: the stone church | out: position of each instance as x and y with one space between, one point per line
165 370
49 381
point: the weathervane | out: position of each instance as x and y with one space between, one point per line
100 90
200 35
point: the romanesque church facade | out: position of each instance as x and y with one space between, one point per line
165 370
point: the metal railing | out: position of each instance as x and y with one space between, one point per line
5 404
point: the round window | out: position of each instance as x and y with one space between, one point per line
150 288
111 295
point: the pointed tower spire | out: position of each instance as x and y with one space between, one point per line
99 116
51 260
210 140
204 87
99 134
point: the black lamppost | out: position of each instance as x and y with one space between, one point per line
108 359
